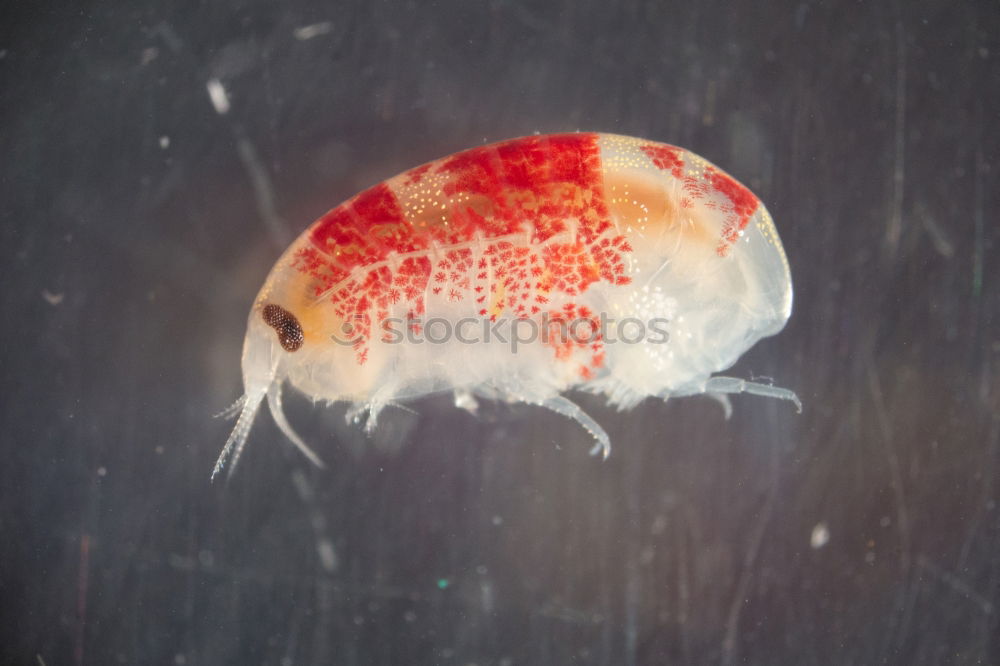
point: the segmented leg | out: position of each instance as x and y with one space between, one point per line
569 409
737 385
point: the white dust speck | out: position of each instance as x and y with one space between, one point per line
52 298
314 30
220 100
164 142
102 471
820 535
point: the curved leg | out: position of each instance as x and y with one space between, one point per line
723 400
736 385
570 409
278 412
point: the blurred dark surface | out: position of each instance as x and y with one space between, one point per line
138 223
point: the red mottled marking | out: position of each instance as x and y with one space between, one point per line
366 229
359 232
535 183
414 176
665 157
737 206
541 186
744 205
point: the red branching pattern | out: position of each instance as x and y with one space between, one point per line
737 203
744 205
574 333
740 203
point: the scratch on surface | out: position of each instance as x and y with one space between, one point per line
739 598
563 613
324 544
756 539
989 465
315 30
896 483
263 192
169 36
683 597
977 215
81 598
939 238
895 226
956 584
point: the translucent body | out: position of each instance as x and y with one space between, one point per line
545 231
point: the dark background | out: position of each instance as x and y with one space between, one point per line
137 223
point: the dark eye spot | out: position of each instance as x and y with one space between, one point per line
285 324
